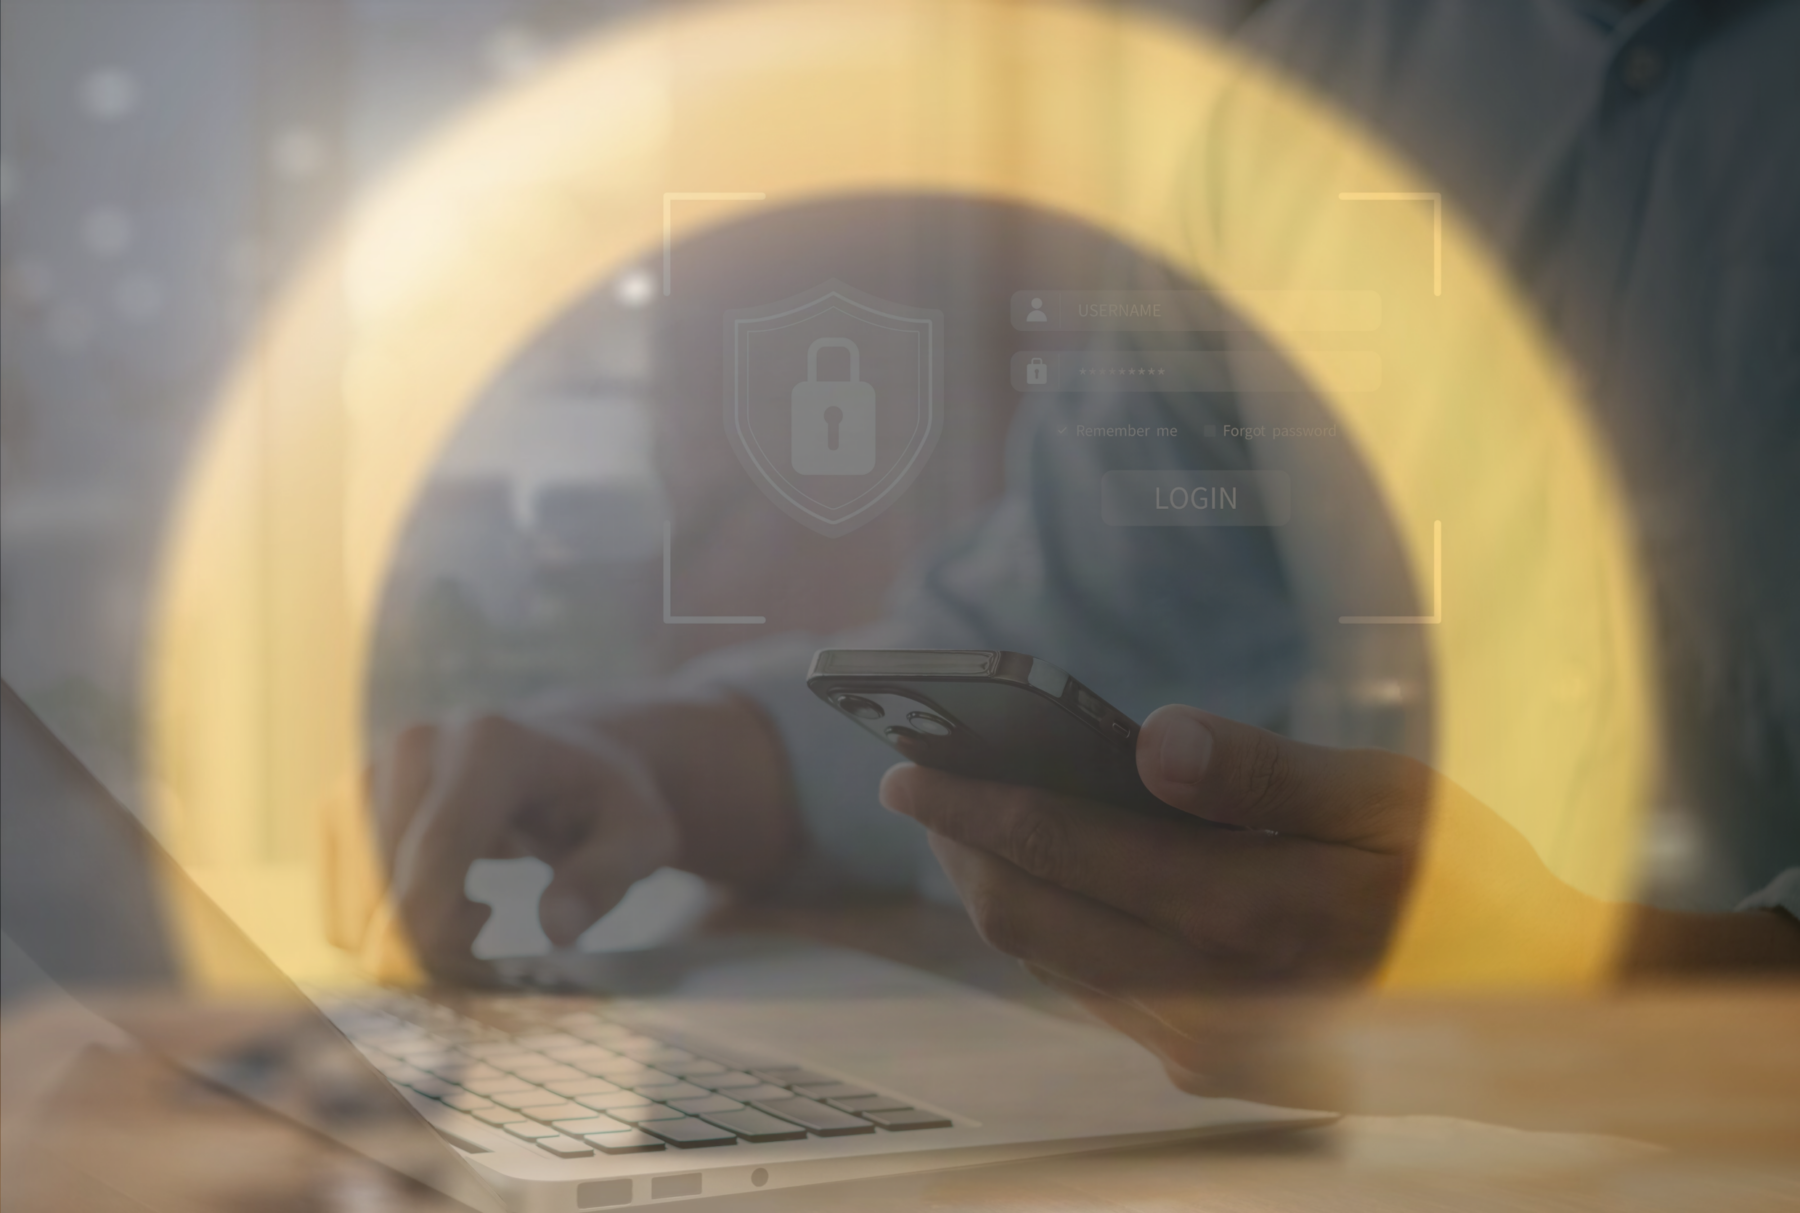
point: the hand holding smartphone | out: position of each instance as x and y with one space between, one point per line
990 714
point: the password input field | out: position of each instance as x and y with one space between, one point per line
1190 371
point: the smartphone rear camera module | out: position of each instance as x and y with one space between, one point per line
929 724
857 706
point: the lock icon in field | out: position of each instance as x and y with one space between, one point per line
1037 372
833 419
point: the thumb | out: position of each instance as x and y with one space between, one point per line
565 910
590 879
1238 774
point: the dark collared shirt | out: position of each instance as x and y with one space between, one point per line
1639 168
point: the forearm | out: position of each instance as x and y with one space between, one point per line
721 767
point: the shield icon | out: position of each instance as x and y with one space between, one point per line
833 401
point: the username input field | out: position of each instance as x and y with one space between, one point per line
1195 311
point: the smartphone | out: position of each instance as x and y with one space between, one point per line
993 715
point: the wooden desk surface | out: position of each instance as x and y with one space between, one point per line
1653 1100
1643 1100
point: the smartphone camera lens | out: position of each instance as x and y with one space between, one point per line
862 709
900 733
928 724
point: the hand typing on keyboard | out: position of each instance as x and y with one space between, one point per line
604 797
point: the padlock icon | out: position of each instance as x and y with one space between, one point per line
1037 372
833 430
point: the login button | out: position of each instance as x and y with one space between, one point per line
1165 498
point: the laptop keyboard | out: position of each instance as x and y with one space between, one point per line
576 1083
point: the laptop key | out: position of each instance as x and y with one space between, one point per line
530 1130
581 1086
574 1054
466 1101
464 1071
439 1063
644 1077
523 1098
689 1133
606 1101
590 1125
815 1117
634 1040
869 1103
433 1062
725 1081
566 1147
391 1036
539 1041
791 1076
832 1090
665 1091
506 1082
705 1104
755 1126
548 1072
762 1090
690 1069
619 1069
635 1142
562 1109
643 1113
461 1034
909 1118
498 1116
655 1053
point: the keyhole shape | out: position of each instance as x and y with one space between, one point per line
834 417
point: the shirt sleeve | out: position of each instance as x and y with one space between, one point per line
1782 893
1144 615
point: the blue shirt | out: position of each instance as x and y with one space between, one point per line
1639 168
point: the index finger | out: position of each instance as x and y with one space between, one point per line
1241 894
480 776
1235 773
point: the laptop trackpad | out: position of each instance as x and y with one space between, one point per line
906 1031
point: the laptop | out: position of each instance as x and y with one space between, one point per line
596 1082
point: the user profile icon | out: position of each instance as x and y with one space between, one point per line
1037 314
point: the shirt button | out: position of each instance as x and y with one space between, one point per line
1642 68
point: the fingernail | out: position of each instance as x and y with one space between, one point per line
1186 749
565 914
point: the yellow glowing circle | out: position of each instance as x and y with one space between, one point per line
1111 116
